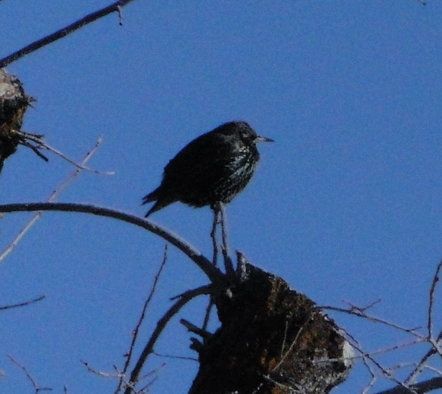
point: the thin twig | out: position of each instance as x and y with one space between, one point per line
111 375
53 196
421 387
372 353
141 318
195 329
373 377
362 309
161 324
284 338
187 358
213 273
215 248
431 300
35 385
360 313
25 303
89 18
367 357
41 144
35 149
207 314
411 378
292 345
152 381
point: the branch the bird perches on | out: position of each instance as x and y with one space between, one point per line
271 337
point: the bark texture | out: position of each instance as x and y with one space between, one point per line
271 340
13 105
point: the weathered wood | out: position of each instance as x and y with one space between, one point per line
272 339
13 105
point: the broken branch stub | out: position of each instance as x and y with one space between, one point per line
272 339
13 105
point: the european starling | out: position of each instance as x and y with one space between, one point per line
212 168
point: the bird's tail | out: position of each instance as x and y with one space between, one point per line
153 196
161 202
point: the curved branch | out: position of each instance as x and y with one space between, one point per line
161 324
422 387
136 330
89 18
213 273
20 304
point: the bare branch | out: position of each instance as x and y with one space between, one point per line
154 372
292 345
360 312
367 358
213 273
53 196
195 329
362 309
175 357
39 143
215 248
161 324
89 18
35 385
25 303
141 318
111 375
207 314
420 388
421 364
431 300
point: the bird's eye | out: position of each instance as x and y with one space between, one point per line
246 136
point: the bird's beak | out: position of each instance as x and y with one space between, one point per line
260 138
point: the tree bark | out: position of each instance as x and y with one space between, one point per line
13 104
272 339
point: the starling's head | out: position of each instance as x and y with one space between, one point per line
246 133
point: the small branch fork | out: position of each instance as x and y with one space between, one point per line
135 332
36 143
161 324
89 18
409 385
213 273
35 385
128 382
53 197
220 218
216 277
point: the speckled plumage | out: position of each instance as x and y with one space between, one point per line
212 168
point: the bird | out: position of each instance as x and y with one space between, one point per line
213 168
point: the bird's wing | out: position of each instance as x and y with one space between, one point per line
201 162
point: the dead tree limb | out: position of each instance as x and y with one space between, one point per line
213 273
89 18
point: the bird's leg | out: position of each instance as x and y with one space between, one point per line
219 217
225 247
216 218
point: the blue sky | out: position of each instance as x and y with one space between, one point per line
345 205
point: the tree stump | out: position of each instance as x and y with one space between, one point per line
272 339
